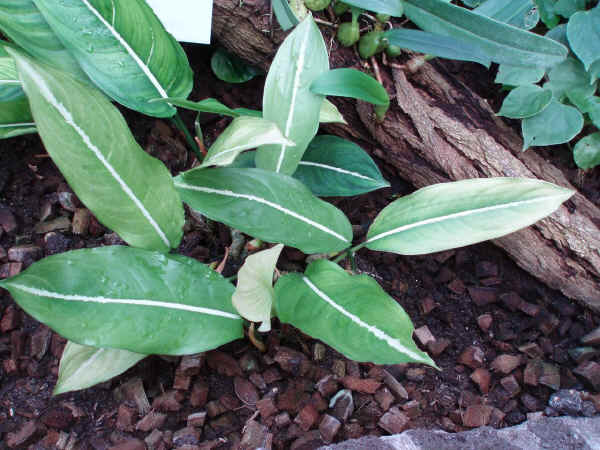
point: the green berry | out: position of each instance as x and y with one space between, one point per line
348 33
340 8
371 43
393 50
317 5
383 18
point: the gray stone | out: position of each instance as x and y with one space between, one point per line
567 402
565 433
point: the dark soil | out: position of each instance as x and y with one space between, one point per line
487 321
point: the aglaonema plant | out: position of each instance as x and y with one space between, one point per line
117 304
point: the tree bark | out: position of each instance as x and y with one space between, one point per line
439 130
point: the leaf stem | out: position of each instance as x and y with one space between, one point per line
348 252
176 119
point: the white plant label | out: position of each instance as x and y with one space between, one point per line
186 20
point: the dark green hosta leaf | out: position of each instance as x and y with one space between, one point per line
15 118
449 215
525 101
502 43
354 84
353 314
230 68
10 85
333 167
567 8
284 14
519 76
437 45
547 14
131 299
87 138
584 102
22 22
519 13
287 99
556 124
267 205
392 7
583 32
124 49
82 366
569 76
587 151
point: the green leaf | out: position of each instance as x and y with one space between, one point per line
267 205
559 34
212 106
15 118
243 133
449 215
518 76
519 13
124 49
284 14
254 295
503 43
351 83
88 139
392 7
82 366
287 99
567 8
230 68
333 167
330 114
437 45
556 124
547 14
583 101
587 151
353 314
569 76
473 3
525 101
131 299
22 22
10 85
583 32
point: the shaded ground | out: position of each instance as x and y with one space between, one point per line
501 339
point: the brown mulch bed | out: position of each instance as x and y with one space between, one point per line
504 342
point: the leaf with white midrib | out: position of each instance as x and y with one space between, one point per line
267 205
352 313
82 366
449 215
131 299
72 119
124 49
287 98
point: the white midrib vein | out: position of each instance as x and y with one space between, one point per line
123 301
295 89
454 216
337 169
91 360
128 48
273 205
379 334
62 110
16 125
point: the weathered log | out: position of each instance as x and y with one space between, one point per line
439 130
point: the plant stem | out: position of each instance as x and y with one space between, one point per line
176 119
347 252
